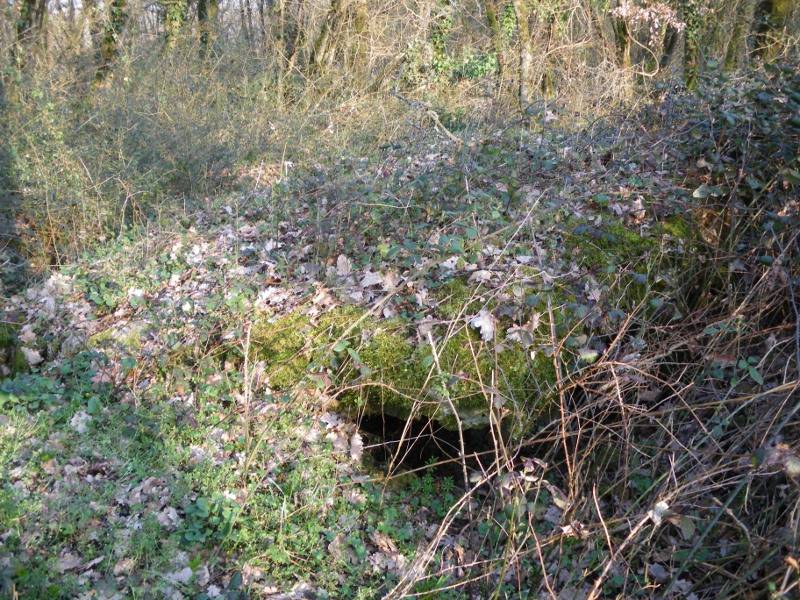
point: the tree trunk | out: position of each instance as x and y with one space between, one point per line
623 43
91 16
32 16
262 22
243 19
493 16
174 18
250 27
109 45
737 48
779 15
691 53
30 29
324 46
207 11
357 39
525 56
671 61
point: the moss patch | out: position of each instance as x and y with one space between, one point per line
128 338
283 344
679 227
387 372
609 244
455 297
10 354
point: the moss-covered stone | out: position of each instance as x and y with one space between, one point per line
129 338
285 346
10 354
384 371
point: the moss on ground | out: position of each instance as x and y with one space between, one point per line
609 244
678 226
456 298
129 338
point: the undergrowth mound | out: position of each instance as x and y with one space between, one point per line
600 324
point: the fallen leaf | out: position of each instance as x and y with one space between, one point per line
32 356
658 573
371 278
124 566
659 512
480 276
182 576
80 421
343 266
356 447
27 336
484 321
450 264
68 562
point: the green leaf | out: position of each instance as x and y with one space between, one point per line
602 199
701 192
93 406
341 346
755 375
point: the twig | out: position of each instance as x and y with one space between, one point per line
428 111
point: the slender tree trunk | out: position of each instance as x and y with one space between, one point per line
691 36
547 85
325 45
493 16
250 28
623 43
525 56
262 22
671 61
31 20
90 14
30 29
779 15
207 11
736 51
243 20
357 40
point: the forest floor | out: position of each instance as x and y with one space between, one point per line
164 433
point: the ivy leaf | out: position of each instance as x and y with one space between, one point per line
704 191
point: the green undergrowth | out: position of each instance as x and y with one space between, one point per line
611 244
154 496
147 458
